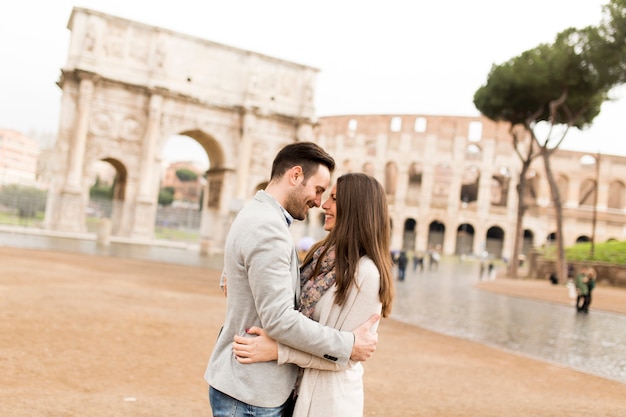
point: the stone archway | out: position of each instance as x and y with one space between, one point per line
128 87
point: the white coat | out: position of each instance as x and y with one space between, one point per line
328 389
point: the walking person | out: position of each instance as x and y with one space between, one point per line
434 260
402 262
345 279
262 268
591 284
582 290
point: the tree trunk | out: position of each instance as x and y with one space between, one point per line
521 210
526 158
561 263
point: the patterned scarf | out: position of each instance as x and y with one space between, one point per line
313 288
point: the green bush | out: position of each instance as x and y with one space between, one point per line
612 252
186 175
28 201
166 196
100 191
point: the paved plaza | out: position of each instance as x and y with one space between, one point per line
102 336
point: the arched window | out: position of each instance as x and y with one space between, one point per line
475 131
368 169
370 147
587 194
473 152
396 124
495 241
500 187
528 242
531 189
415 184
420 124
616 195
391 178
469 184
436 233
408 238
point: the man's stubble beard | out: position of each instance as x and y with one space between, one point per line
295 207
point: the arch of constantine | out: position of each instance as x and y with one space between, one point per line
128 87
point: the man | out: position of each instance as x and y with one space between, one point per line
261 264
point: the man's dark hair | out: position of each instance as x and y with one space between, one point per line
308 155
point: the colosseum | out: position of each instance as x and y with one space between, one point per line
451 183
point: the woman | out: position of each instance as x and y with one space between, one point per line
591 284
582 289
345 278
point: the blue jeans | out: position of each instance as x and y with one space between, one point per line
226 406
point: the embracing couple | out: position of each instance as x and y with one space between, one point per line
298 334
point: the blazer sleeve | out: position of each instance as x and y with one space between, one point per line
362 302
287 354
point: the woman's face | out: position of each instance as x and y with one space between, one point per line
330 210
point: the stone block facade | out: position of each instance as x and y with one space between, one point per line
451 183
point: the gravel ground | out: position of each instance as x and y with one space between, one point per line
96 336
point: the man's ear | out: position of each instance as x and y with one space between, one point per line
296 175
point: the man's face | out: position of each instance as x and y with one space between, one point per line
305 195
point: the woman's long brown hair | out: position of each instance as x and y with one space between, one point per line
362 227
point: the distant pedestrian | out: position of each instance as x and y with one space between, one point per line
434 260
582 289
402 261
591 284
554 279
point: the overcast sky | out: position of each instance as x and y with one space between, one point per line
392 56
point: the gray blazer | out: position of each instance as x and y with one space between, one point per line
262 270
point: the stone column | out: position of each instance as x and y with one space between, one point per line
79 137
145 205
449 238
422 235
218 210
72 216
146 187
573 193
397 232
206 244
402 184
248 124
